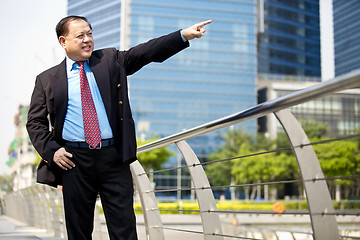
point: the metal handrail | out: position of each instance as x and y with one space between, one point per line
343 82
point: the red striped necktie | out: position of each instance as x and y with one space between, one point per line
91 124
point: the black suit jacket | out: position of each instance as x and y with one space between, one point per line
111 68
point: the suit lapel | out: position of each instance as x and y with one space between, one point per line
101 74
59 88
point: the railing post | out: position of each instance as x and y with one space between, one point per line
24 207
38 210
317 193
57 211
97 233
2 207
151 213
210 219
46 207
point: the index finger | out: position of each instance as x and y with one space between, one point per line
204 23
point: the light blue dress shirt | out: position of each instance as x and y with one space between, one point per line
73 126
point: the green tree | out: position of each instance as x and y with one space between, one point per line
337 159
340 158
267 167
314 129
263 142
6 183
155 158
219 173
252 169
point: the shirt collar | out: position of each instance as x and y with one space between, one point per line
70 63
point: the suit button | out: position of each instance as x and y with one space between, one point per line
119 85
121 119
120 102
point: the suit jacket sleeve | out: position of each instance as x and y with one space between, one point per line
155 50
42 103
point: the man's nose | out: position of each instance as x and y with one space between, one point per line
87 38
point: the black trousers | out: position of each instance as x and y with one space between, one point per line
99 171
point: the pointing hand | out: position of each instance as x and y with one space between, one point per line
195 31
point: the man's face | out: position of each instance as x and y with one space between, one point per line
78 43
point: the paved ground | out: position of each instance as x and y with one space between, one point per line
11 229
172 222
179 227
14 230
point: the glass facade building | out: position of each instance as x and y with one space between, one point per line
213 78
104 17
346 14
290 43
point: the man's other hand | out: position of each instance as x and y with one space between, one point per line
62 159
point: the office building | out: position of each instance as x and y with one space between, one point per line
290 43
346 14
340 111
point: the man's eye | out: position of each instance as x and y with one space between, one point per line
80 36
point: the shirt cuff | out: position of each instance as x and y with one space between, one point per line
182 37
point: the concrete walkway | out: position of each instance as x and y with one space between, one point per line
176 226
179 227
11 229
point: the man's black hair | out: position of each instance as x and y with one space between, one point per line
62 27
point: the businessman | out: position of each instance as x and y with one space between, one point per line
90 141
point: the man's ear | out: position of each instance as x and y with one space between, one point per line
62 41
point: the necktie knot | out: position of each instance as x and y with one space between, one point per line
80 63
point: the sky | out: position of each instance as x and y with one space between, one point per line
28 47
